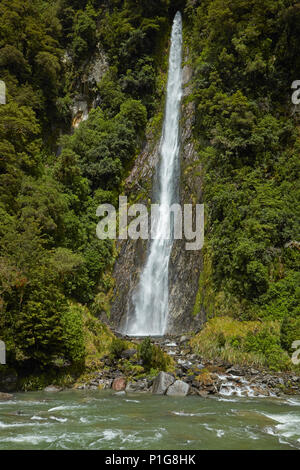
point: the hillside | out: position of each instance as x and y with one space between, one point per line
86 85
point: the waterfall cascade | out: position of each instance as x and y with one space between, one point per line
150 300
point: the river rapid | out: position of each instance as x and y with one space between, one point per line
107 420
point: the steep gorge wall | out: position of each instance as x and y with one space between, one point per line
185 266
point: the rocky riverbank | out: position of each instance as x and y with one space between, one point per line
192 375
189 374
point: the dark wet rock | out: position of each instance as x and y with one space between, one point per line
128 353
235 371
161 383
8 381
190 378
178 389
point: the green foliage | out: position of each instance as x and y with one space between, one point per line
84 32
73 334
118 345
153 356
243 342
50 257
290 332
146 352
267 343
248 144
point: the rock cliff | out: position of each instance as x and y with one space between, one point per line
185 266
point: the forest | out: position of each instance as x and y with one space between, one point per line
56 277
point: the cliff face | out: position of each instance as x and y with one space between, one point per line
185 266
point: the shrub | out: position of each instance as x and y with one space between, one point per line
118 345
289 332
73 336
146 352
153 356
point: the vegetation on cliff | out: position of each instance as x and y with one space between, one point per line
52 266
54 273
247 132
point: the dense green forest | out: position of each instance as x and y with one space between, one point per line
247 134
55 275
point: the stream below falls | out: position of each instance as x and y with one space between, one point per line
108 420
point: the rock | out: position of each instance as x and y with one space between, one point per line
142 385
105 383
203 393
185 365
235 371
178 373
130 387
178 389
161 383
119 384
8 380
5 396
52 388
128 353
183 339
190 378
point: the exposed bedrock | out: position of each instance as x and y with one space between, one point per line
185 266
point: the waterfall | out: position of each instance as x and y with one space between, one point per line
151 298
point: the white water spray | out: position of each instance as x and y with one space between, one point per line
151 298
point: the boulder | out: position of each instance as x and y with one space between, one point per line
178 389
5 396
119 384
128 353
183 339
130 387
8 380
52 388
161 383
235 371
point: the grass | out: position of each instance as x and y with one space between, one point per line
242 342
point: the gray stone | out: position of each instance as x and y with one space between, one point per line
161 383
178 389
52 388
183 339
128 353
130 387
235 371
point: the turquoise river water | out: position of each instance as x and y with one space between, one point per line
106 420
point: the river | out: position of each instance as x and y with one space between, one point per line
106 420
